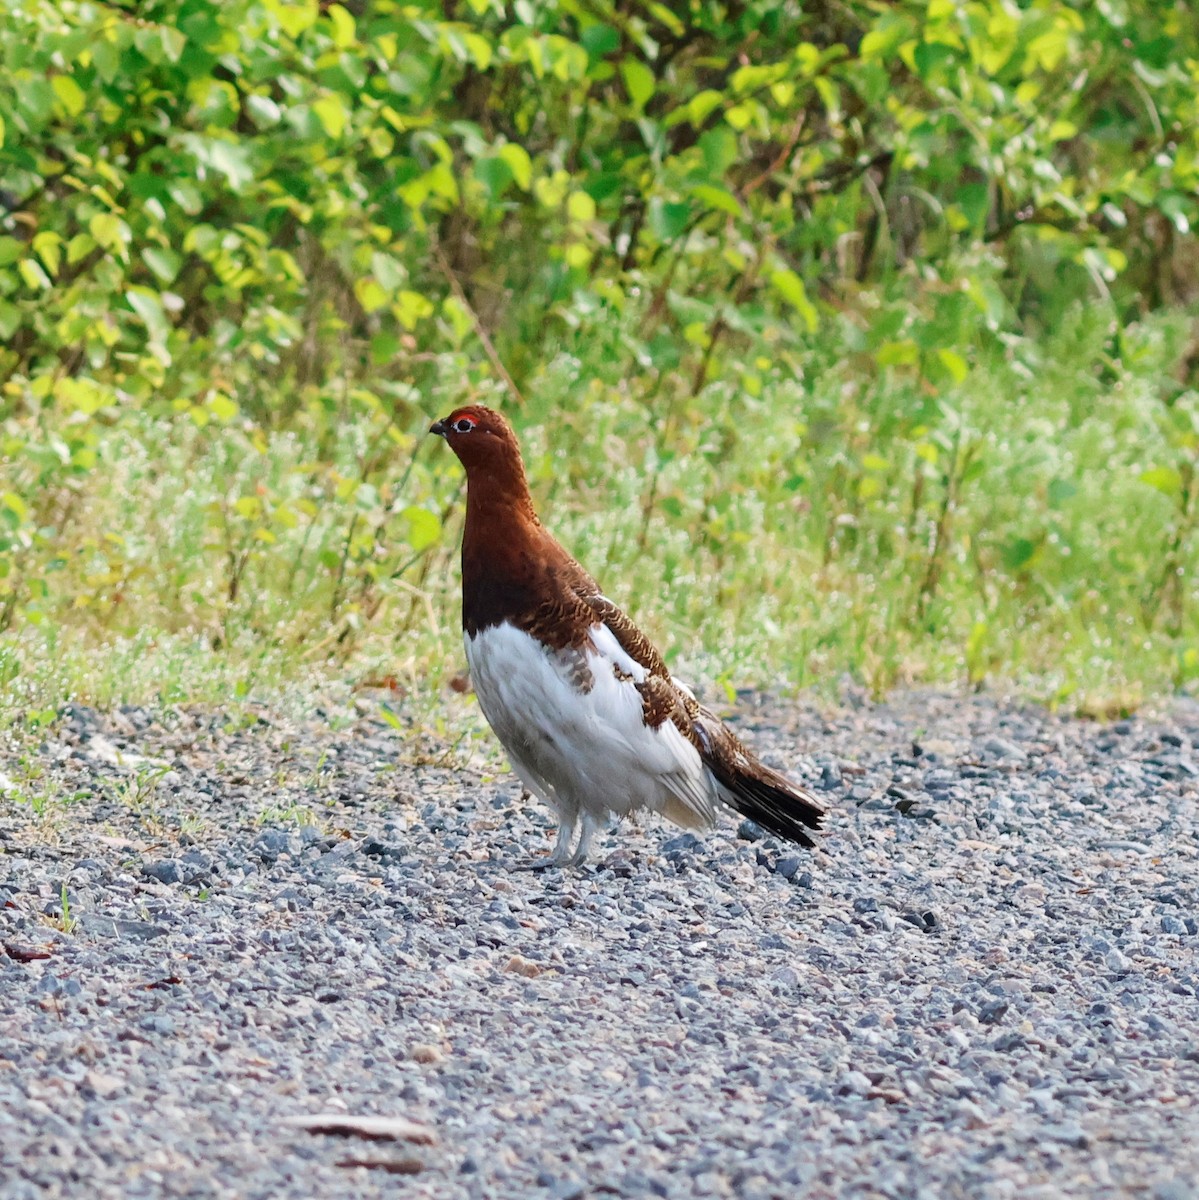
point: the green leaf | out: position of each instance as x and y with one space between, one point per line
230 159
222 407
83 394
599 40
789 285
148 306
69 94
424 528
109 231
668 221
580 207
389 271
1175 206
1017 552
702 105
479 49
885 38
519 163
669 19
79 247
719 148
459 319
1165 479
717 198
638 82
391 718
331 113
293 18
742 116
903 353
32 275
163 262
343 25
370 294
173 42
35 99
954 363
10 319
1061 490
263 111
494 174
411 307
48 247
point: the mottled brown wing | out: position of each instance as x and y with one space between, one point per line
632 641
661 697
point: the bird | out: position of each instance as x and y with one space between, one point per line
592 721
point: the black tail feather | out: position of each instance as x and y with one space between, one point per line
769 800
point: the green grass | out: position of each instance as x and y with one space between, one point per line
801 519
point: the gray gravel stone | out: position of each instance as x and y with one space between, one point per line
166 871
830 777
788 866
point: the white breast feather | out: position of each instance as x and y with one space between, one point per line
584 752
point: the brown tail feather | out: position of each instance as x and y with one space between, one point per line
749 786
769 800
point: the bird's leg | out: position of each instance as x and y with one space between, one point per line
590 825
561 856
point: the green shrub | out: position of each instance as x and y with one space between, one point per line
868 320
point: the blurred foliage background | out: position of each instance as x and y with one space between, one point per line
843 337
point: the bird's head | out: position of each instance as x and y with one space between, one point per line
480 437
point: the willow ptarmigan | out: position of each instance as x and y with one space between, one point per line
592 721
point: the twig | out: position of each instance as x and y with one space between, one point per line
481 333
335 602
780 158
719 324
959 465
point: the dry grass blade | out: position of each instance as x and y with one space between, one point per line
376 1129
393 1166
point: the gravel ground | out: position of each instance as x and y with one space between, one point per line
982 984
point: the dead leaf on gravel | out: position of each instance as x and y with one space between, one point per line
103 1085
26 953
378 1129
168 981
384 682
121 843
107 751
517 965
423 1052
394 1166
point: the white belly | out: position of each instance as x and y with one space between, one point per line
585 751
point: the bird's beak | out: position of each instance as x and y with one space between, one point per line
440 428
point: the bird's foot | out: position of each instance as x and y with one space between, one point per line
562 854
547 862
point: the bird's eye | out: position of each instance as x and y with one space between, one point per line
463 425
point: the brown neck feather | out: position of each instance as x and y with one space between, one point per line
504 547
